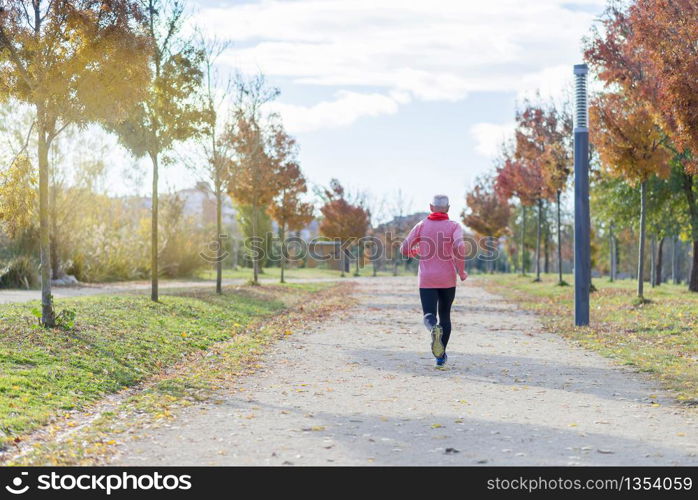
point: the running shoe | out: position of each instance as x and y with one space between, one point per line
437 345
442 360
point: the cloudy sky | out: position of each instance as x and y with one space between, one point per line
402 94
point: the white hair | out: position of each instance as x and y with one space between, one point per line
440 201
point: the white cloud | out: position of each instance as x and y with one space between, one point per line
345 110
490 136
438 50
554 82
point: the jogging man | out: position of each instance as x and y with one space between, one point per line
438 242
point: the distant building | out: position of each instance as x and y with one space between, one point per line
310 231
401 224
200 204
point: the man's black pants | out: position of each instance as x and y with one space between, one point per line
438 300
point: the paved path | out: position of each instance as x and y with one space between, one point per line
60 292
362 389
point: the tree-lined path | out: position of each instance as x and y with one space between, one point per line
360 388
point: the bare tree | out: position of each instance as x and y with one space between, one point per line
377 209
216 89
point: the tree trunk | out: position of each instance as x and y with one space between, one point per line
255 260
48 317
375 262
612 254
219 234
615 258
641 244
342 257
693 212
282 235
674 261
659 263
538 236
653 259
693 283
53 240
154 292
523 239
559 240
546 251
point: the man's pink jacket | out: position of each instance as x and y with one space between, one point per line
441 250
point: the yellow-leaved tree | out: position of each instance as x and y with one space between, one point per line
17 195
171 109
75 62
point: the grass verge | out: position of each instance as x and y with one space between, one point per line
659 336
116 342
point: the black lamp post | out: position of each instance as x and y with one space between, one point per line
582 222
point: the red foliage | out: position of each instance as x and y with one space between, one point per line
665 32
649 51
487 213
516 179
342 219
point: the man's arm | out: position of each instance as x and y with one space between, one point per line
408 246
459 252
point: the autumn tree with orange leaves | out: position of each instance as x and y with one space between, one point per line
648 50
667 33
288 209
532 144
557 163
487 213
342 221
517 179
630 145
254 176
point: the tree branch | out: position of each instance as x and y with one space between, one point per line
15 59
55 133
25 146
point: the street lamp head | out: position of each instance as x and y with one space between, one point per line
581 105
581 69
